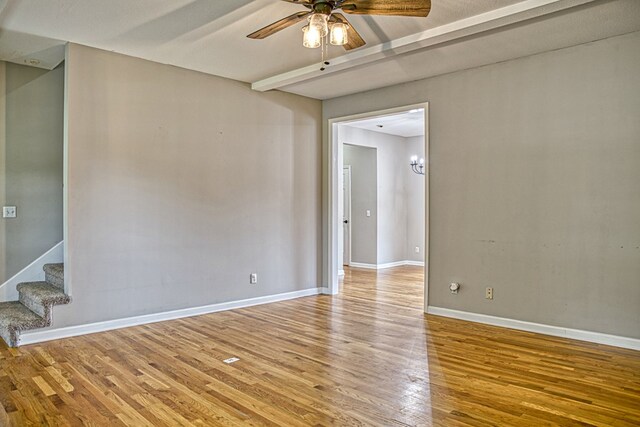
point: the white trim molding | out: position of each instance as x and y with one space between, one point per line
91 328
416 263
556 331
386 265
31 273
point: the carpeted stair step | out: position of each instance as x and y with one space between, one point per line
34 308
54 274
14 318
39 297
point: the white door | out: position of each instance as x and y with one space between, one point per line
346 220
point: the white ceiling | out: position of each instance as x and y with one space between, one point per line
209 36
407 124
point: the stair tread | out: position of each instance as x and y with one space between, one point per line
43 293
14 315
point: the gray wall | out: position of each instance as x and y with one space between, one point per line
180 185
415 200
364 196
32 156
534 184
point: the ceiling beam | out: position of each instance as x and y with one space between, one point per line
487 21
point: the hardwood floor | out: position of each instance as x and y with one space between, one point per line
366 357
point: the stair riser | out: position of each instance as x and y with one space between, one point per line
6 336
55 280
39 309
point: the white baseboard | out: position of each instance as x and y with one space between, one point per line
363 265
556 331
73 331
386 265
31 273
391 264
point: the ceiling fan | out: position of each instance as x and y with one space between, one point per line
324 20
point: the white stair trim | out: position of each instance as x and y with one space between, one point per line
91 328
556 331
31 273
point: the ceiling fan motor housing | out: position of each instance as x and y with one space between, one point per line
324 7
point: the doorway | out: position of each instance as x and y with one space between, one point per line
339 249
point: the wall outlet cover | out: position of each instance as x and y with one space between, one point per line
488 293
9 212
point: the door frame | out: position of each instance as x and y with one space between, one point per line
344 209
331 181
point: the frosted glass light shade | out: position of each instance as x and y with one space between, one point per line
339 35
319 21
311 38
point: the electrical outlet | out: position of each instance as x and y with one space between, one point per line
417 249
253 278
488 293
9 212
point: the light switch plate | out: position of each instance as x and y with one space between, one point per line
9 212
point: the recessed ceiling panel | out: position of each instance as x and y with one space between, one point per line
209 35
594 21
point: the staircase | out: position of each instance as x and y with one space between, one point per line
35 304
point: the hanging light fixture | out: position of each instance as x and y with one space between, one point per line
338 35
417 165
317 30
312 37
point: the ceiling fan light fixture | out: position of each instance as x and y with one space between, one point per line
311 38
319 21
339 35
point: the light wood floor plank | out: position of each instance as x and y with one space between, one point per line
368 357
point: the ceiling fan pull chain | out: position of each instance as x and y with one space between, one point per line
325 53
322 46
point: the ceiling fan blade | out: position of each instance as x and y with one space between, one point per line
278 25
302 2
354 40
419 8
